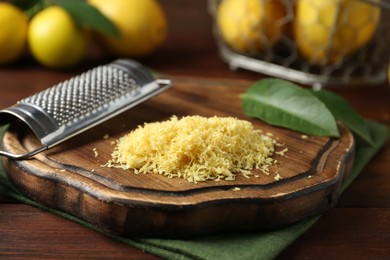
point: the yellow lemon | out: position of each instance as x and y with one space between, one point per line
142 26
55 40
250 26
326 31
13 32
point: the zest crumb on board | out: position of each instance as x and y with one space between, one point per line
95 152
282 152
278 177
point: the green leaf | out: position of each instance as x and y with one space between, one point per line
343 111
282 103
87 15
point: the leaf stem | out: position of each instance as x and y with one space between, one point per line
38 6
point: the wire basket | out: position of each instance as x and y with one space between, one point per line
362 59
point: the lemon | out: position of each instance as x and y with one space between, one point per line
326 31
55 40
250 26
142 26
13 32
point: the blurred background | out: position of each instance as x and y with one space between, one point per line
323 42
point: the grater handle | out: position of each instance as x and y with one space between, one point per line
25 155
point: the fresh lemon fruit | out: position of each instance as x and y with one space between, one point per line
13 32
250 26
55 40
142 26
326 31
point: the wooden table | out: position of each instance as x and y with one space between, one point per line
357 228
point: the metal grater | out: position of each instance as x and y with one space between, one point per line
77 104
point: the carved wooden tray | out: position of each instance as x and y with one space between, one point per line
70 177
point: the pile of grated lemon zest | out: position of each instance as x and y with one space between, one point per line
195 148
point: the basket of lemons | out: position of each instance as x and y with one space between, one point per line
316 42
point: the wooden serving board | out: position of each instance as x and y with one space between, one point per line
70 176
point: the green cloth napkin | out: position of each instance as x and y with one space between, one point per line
245 245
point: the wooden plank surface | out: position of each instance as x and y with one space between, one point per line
349 232
30 233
